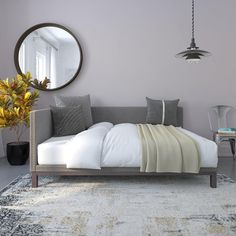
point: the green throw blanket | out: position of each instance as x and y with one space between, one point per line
167 149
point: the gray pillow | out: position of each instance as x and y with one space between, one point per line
84 101
155 112
67 120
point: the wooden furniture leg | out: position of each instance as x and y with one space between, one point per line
213 180
34 180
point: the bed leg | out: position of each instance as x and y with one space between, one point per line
34 180
213 180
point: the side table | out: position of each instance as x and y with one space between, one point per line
225 137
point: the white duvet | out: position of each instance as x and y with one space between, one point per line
108 145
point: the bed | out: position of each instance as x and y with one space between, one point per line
47 156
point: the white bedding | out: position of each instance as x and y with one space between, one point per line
105 145
52 151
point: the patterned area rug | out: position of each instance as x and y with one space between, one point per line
119 206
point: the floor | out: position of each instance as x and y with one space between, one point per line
227 166
8 173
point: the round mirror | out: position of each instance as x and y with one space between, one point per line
49 51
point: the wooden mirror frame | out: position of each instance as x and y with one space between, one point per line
30 30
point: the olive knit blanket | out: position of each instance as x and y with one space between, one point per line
167 149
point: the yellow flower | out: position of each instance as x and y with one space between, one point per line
2 112
27 95
17 109
6 82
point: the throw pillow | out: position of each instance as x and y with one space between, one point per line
84 101
67 120
162 111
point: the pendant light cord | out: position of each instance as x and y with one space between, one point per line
193 53
192 19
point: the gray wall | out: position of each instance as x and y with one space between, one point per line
129 50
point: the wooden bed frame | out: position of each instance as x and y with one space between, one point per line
61 170
41 130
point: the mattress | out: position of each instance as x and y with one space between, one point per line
52 151
121 147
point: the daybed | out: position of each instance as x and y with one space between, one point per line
41 131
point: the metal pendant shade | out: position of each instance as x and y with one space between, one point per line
193 53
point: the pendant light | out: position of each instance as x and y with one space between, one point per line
193 53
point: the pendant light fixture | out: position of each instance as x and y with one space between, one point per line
193 53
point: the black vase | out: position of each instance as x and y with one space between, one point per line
17 153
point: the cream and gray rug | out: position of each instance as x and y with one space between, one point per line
123 206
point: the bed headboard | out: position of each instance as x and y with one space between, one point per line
134 115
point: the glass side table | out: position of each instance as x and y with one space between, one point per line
224 137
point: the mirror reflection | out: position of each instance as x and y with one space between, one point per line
50 52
